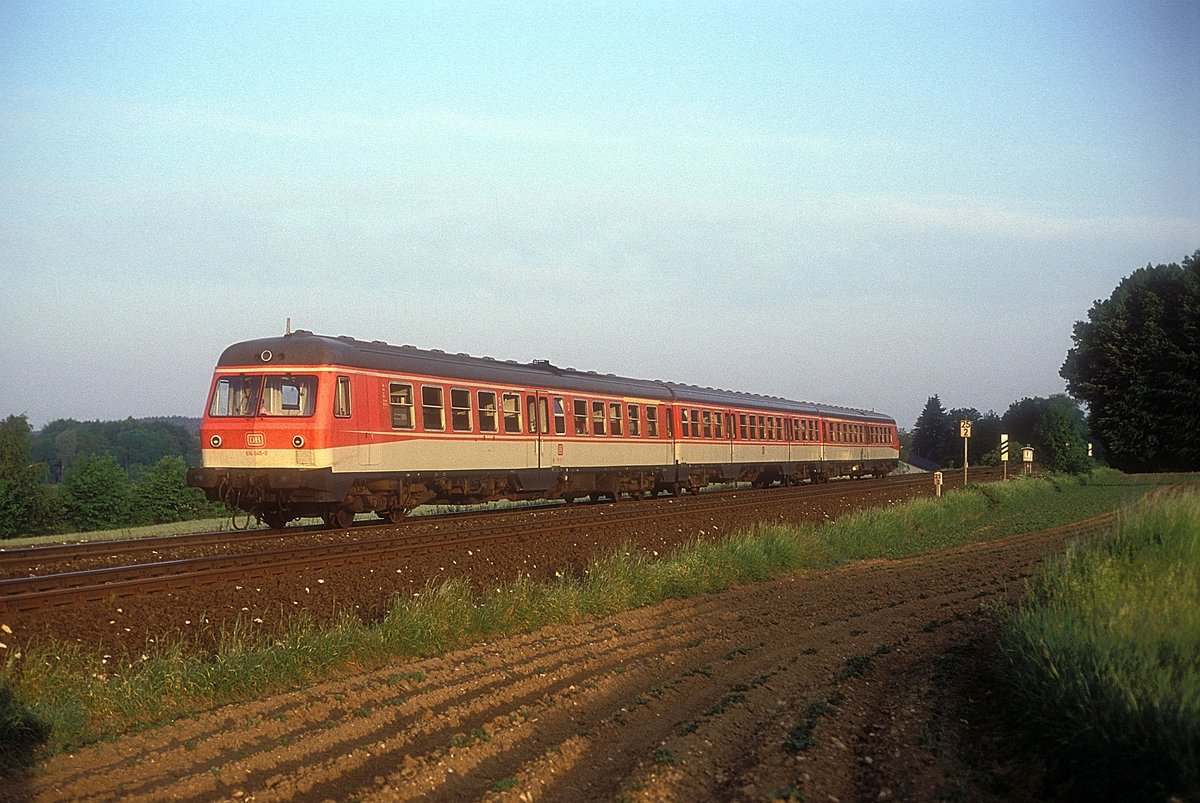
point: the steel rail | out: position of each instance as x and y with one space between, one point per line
25 556
24 594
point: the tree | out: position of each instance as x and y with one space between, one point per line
1062 442
933 434
95 493
1136 362
23 505
162 495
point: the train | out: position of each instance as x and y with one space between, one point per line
313 426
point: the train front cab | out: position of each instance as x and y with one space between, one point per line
267 441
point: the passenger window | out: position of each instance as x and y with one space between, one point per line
614 418
341 398
597 418
635 426
706 417
401 400
543 415
652 422
460 410
581 417
762 427
487 411
560 416
433 412
512 413
742 426
718 430
695 423
685 422
531 414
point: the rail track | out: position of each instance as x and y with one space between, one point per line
369 543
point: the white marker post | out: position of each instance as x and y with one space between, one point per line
964 429
1004 453
1027 459
937 483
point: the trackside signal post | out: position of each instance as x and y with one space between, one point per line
964 429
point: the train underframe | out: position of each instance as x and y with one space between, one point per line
278 496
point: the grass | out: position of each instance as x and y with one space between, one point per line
79 697
1104 657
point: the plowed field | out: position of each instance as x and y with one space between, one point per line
856 684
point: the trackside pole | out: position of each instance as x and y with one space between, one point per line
964 429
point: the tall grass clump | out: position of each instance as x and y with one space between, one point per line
1103 657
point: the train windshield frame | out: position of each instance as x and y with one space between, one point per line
267 396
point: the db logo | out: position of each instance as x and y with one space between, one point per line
254 439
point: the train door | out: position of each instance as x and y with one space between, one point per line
366 414
676 446
553 409
537 426
729 432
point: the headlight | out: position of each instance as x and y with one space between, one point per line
215 441
298 441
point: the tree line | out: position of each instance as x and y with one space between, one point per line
78 476
1055 427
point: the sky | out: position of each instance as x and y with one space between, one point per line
854 203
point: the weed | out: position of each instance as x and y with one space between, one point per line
801 737
790 794
663 757
856 667
505 785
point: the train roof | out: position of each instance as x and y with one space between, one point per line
303 348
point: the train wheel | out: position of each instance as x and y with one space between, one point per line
396 515
340 519
275 519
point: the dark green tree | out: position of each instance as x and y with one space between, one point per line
95 493
1136 363
1023 418
1062 442
161 495
933 434
23 502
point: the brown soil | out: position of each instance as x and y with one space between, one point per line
865 683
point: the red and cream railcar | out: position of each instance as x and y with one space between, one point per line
306 425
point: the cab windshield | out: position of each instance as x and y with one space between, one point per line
273 395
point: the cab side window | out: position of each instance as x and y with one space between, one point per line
341 398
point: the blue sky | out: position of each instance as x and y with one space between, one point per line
853 203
